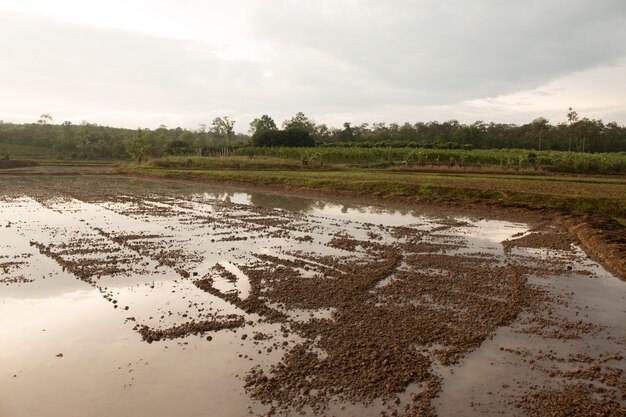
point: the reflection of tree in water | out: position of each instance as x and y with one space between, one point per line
282 202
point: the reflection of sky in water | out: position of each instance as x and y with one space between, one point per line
56 283
492 230
367 215
241 285
56 313
358 213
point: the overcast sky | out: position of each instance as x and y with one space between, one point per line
183 62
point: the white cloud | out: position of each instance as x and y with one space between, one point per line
136 62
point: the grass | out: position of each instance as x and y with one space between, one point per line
589 193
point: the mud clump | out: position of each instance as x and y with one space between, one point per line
544 238
196 328
578 400
251 304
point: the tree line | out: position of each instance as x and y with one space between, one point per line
92 141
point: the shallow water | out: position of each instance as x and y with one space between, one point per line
69 347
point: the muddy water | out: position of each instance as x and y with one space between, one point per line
124 297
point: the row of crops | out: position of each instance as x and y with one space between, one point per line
572 162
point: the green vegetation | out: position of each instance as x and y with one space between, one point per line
44 140
19 151
512 160
47 140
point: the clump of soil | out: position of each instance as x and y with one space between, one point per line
10 266
544 237
152 335
558 328
88 269
579 400
21 279
252 303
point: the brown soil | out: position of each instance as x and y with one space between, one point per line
579 400
602 238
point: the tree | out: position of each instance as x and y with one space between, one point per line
203 137
347 134
572 118
262 124
44 119
178 147
323 132
223 127
590 130
300 121
540 125
138 147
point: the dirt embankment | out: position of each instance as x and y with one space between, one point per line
69 169
603 239
15 163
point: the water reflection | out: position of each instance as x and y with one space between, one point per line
274 201
302 204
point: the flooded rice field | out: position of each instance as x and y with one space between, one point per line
125 297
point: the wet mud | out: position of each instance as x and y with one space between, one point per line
296 306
